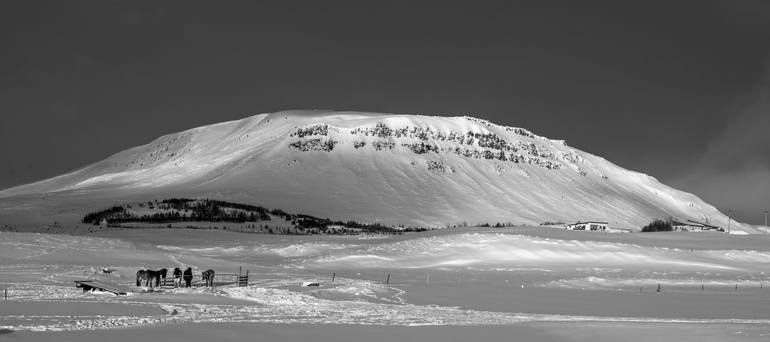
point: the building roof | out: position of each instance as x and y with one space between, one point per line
680 223
704 224
692 223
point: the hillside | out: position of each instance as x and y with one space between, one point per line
393 169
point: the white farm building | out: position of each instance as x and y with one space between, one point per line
693 226
588 225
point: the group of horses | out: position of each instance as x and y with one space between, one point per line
148 277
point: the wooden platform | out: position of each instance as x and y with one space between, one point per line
88 285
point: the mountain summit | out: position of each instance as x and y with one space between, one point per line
389 168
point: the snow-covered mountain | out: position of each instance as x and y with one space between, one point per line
399 169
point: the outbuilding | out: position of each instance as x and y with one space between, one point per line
690 225
588 225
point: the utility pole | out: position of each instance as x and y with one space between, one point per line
765 218
729 218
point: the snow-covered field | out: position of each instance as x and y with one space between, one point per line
537 281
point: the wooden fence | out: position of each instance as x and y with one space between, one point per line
243 280
169 283
240 279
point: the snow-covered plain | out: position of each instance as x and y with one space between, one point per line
509 277
397 169
394 169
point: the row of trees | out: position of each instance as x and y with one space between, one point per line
658 225
174 210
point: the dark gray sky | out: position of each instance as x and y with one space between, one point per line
675 89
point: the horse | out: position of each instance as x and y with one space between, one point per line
177 277
208 277
163 273
152 274
188 276
141 276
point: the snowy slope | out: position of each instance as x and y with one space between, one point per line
401 169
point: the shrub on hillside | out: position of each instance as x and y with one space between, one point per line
658 225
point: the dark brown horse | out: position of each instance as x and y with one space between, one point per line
141 276
155 275
188 276
208 277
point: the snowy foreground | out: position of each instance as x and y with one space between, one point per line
534 283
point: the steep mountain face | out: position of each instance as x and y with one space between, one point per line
399 169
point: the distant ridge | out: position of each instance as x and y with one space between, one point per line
427 171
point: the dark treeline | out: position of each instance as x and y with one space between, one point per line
97 217
185 209
658 225
212 210
174 210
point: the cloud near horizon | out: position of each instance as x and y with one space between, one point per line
734 172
